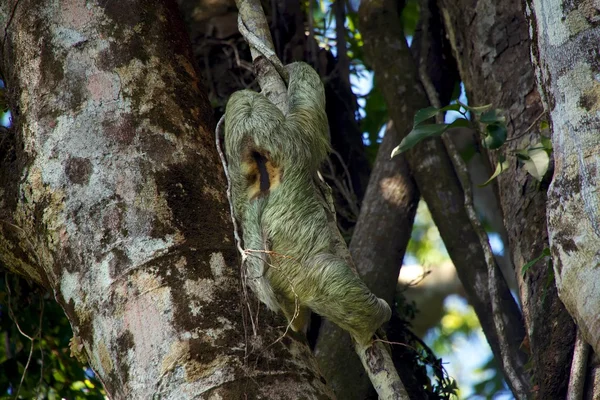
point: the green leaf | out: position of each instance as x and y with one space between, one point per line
544 125
492 117
530 264
500 167
59 376
496 135
77 385
418 134
538 163
546 143
475 109
425 113
410 17
451 107
545 253
522 154
460 123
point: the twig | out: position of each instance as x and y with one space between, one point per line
219 133
31 338
509 361
581 353
269 54
529 128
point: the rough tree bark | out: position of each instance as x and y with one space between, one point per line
113 198
388 52
565 51
383 211
496 69
210 24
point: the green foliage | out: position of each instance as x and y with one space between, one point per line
550 270
545 253
495 135
456 322
410 17
422 130
536 159
425 244
489 388
376 115
51 372
426 370
492 126
445 387
501 165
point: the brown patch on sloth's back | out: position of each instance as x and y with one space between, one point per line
261 174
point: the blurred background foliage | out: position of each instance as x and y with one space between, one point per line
35 361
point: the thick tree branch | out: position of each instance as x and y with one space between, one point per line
433 170
114 184
509 350
496 69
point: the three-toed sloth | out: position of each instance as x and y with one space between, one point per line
273 161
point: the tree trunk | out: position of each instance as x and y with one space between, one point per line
496 69
386 48
113 197
565 51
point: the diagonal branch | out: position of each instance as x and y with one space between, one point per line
509 351
441 188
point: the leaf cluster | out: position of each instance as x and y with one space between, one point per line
491 125
51 372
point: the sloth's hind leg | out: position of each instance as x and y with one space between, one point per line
332 290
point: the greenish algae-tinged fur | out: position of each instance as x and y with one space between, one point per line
273 161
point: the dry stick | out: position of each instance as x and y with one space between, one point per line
252 24
460 168
31 338
236 231
255 43
375 358
581 354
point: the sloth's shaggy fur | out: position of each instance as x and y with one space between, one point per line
273 161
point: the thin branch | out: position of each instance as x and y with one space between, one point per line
529 128
581 354
219 133
30 338
262 48
254 24
509 359
376 358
